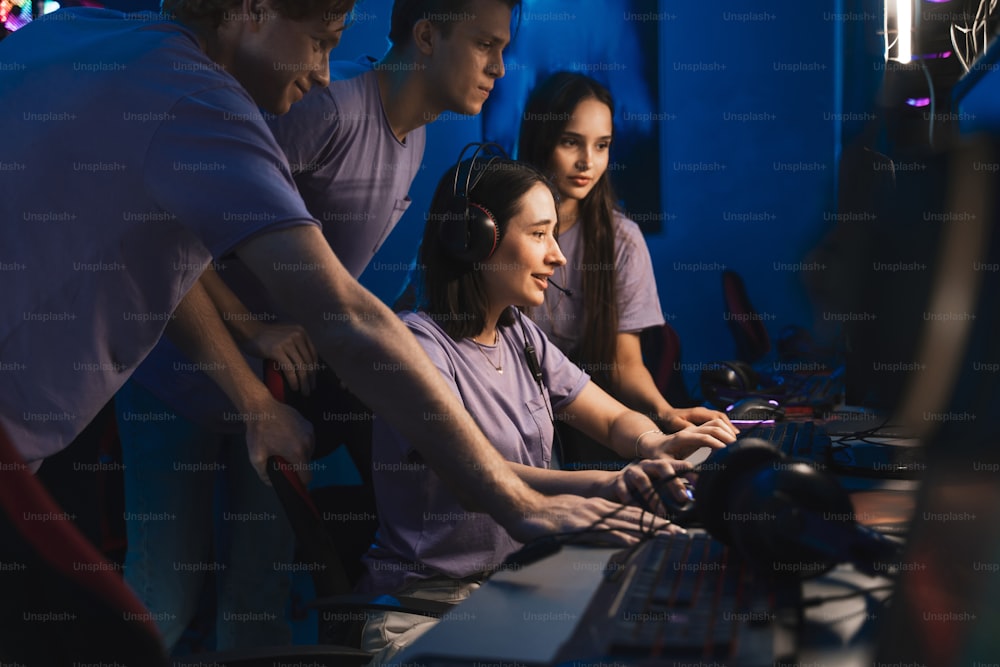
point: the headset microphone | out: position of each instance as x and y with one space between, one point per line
567 292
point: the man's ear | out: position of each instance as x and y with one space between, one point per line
425 35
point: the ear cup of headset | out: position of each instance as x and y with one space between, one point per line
749 379
772 506
468 232
718 476
768 508
723 379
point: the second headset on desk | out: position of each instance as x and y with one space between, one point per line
783 516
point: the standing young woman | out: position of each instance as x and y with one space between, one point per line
488 249
610 292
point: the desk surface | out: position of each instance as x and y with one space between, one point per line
522 617
518 617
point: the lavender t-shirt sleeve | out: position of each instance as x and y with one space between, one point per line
638 300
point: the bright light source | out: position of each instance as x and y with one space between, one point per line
904 30
899 30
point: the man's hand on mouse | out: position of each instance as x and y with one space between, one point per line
646 482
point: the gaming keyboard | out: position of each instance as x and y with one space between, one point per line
798 439
678 598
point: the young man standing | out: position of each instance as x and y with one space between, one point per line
356 145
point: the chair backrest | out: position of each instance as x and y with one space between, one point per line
661 354
746 325
334 525
62 602
316 547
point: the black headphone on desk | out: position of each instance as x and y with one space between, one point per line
785 517
468 231
722 382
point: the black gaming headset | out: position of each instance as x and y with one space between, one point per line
785 517
722 381
468 231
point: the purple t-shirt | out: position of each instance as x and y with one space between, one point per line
354 176
352 171
423 529
561 316
134 160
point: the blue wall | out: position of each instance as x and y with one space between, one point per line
749 155
746 113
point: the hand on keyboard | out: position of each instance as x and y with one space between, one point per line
715 434
598 521
681 418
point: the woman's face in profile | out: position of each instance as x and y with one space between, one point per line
517 274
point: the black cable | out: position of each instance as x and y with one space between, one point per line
531 358
873 431
817 601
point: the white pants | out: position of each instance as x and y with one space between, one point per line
389 632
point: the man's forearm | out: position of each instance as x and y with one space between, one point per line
237 319
197 329
588 483
272 428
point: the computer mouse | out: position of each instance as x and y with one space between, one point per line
755 409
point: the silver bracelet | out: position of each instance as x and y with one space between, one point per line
643 435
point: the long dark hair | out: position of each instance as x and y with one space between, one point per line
450 290
549 109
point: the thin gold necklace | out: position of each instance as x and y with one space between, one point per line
498 367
